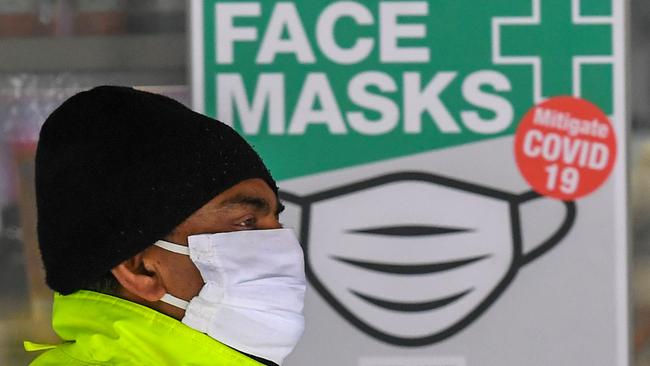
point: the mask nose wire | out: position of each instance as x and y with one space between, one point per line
180 249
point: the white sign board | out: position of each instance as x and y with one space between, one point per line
455 170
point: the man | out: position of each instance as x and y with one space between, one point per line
158 229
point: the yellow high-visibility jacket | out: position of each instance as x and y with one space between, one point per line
99 329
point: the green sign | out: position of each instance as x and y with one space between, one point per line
366 81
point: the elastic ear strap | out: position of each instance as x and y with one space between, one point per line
174 301
180 249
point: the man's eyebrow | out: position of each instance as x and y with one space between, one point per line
258 203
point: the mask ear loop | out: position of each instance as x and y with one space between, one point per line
175 301
180 249
557 236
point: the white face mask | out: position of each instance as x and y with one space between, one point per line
254 290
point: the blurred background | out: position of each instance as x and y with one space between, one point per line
50 49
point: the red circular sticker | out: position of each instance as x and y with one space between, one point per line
565 147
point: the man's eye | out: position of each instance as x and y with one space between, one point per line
247 222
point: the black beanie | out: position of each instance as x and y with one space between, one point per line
118 169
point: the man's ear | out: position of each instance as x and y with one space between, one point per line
138 280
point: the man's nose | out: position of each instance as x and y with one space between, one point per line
270 222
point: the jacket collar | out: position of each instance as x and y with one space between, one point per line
102 328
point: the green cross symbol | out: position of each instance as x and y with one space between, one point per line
557 40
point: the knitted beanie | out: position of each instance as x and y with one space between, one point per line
118 169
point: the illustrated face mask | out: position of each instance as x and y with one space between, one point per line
254 290
412 258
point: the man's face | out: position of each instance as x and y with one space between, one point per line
249 205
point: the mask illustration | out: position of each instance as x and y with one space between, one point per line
412 258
